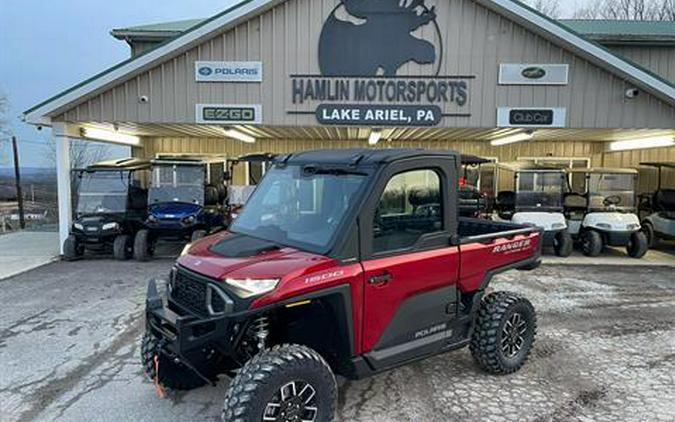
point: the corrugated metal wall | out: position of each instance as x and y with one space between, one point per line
475 42
660 60
648 176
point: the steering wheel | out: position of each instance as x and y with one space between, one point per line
612 200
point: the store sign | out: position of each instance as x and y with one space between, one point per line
228 71
229 113
531 117
359 63
533 74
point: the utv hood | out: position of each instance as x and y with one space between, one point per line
230 255
173 210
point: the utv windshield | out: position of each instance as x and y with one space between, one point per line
298 208
177 183
103 192
607 189
540 190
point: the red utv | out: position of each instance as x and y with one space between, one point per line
347 262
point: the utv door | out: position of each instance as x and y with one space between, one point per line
410 269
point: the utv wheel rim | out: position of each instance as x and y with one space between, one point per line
294 402
513 335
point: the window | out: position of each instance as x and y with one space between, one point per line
409 207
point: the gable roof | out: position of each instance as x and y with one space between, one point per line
246 9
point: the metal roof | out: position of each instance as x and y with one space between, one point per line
120 164
602 170
670 164
624 31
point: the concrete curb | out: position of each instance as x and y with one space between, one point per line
47 261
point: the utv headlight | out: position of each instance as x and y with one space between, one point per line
111 226
189 220
78 226
250 287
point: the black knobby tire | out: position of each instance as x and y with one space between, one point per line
591 243
258 387
637 245
72 250
142 246
648 230
489 341
172 376
564 244
197 234
121 247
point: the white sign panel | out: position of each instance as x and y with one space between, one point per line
228 114
228 71
533 74
532 117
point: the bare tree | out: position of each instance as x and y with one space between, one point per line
550 8
5 129
628 10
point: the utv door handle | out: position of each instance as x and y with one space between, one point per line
383 278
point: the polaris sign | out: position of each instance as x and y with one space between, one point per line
228 71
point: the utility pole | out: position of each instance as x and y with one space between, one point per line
17 177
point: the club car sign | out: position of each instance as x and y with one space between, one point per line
359 83
228 71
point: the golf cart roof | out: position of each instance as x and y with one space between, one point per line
256 157
361 156
474 160
187 159
666 164
603 170
120 164
529 166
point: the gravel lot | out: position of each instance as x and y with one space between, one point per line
605 351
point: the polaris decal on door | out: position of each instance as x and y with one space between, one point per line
363 47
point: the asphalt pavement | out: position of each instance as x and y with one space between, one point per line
605 351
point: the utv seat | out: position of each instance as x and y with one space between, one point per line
574 205
506 204
664 200
211 195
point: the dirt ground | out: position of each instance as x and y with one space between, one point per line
605 351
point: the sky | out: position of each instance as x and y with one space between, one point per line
47 46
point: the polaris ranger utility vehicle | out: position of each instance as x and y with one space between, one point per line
605 215
185 201
111 202
537 200
332 269
659 208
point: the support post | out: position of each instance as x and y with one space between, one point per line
17 179
64 195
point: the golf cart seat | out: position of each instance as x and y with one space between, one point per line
574 203
664 200
211 195
506 204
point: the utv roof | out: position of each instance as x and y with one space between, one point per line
187 159
127 164
361 156
601 170
669 164
473 160
529 166
257 157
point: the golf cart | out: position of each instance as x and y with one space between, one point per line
111 204
255 166
604 215
185 201
659 208
473 199
537 200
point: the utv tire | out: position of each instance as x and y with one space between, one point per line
172 376
285 383
637 245
197 234
591 243
142 246
648 230
121 247
72 250
504 333
563 244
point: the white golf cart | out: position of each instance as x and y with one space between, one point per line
537 200
605 214
657 210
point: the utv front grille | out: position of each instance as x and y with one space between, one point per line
198 296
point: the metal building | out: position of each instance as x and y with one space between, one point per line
486 77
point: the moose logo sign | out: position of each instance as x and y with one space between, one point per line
363 48
383 42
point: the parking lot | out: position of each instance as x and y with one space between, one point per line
605 351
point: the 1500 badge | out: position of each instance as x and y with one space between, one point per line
324 277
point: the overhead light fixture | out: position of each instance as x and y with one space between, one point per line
660 141
512 139
374 137
240 136
110 136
